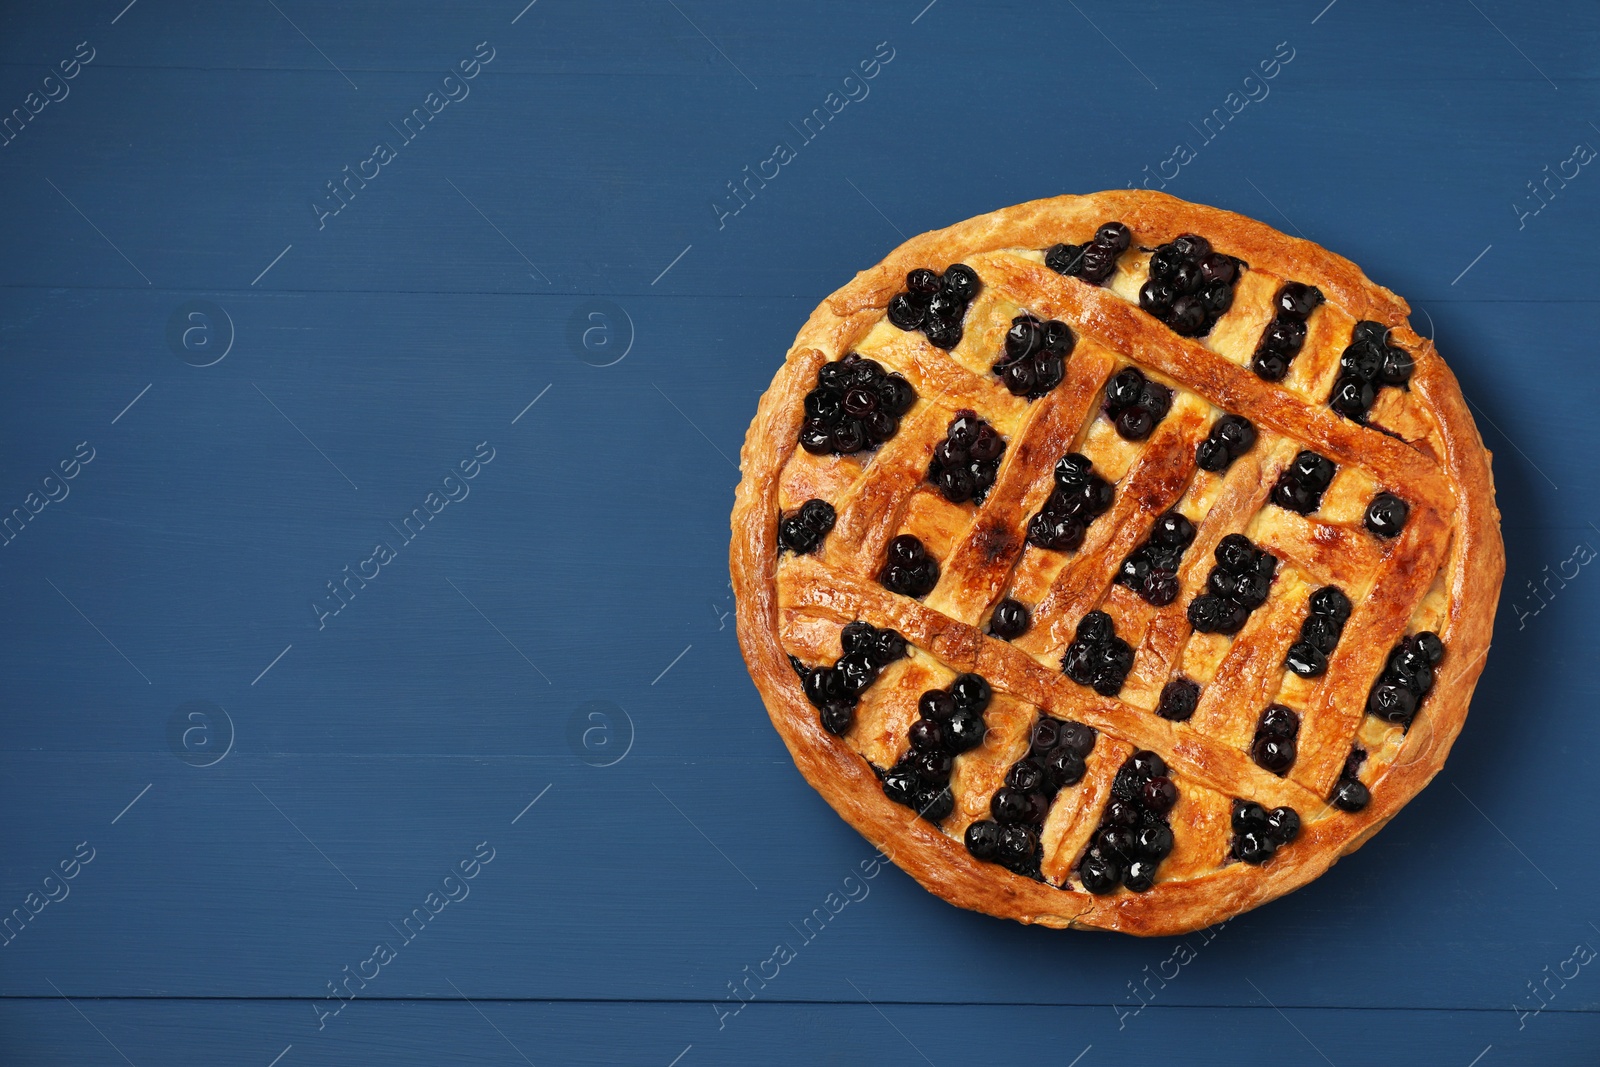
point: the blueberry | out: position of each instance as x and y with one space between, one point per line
1269 366
1350 795
1213 456
1185 278
1099 263
936 704
961 281
1145 764
1077 739
1430 646
1048 372
822 685
1078 663
1306 660
1285 336
1397 366
965 730
1024 338
1125 388
1156 297
923 282
1154 841
1096 628
927 733
1100 874
1065 768
1237 434
1275 754
1392 703
1208 613
1216 298
983 839
1179 698
1363 362
1045 736
816 439
935 804
931 766
1321 632
1283 825
1297 301
1191 246
1121 813
1160 588
1058 337
1253 848
906 313
857 671
796 536
1187 317
1386 515
1369 332
1140 877
1026 775
837 717
1113 235
955 485
900 784
971 691
897 394
1248 817
1017 844
857 637
1291 494
1218 268
849 437
888 646
1064 258
1352 398
1160 794
1010 805
1116 841
1331 601
1009 620
1134 424
942 333
1279 721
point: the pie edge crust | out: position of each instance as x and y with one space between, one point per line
1476 563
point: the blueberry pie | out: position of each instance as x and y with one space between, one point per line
1113 561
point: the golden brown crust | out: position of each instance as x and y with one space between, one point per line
1451 546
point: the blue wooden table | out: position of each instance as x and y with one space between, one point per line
372 379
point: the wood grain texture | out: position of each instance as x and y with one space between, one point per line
416 724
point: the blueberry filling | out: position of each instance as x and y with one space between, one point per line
1300 487
1350 793
1135 404
1133 836
834 691
1151 570
1035 357
936 304
1406 678
1179 698
1237 585
1093 262
854 406
1080 497
1097 657
1386 515
1286 333
1273 748
1259 833
1010 620
965 463
804 530
1055 760
1366 366
1319 632
908 569
1190 286
950 722
1231 436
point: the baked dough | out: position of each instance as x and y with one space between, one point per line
1441 574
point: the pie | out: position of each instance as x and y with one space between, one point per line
1114 561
